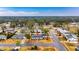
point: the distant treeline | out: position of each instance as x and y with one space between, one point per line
39 18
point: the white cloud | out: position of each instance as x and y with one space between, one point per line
7 12
17 13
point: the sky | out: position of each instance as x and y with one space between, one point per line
39 11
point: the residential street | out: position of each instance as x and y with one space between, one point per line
56 42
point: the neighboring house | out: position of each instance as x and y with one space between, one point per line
28 31
47 26
37 34
3 37
7 24
38 30
18 29
18 36
36 25
10 30
69 36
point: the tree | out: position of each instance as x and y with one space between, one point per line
13 24
9 35
28 36
46 31
30 23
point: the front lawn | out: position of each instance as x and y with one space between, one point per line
69 46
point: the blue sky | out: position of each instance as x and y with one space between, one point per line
39 11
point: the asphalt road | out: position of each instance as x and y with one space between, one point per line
29 44
56 42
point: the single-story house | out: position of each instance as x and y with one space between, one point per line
69 36
18 36
10 30
41 36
